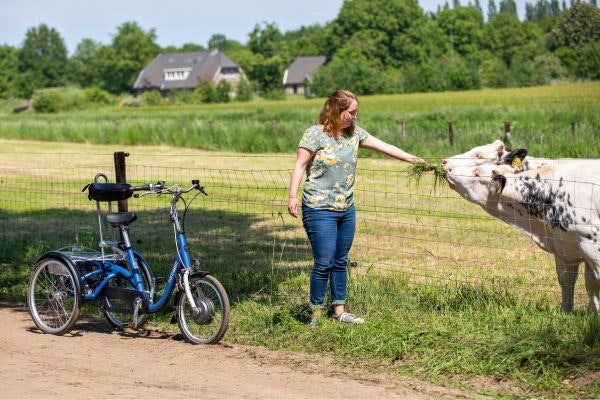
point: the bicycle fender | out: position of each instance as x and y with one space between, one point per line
142 263
199 274
57 255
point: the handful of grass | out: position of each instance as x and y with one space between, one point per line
415 172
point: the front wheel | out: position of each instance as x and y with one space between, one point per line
210 323
53 296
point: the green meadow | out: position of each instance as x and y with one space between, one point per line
540 119
450 294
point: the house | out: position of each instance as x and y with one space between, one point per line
187 70
300 72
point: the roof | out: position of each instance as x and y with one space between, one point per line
199 66
302 69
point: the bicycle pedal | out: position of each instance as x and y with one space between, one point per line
173 319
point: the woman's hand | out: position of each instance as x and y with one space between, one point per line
293 206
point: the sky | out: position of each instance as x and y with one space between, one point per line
174 22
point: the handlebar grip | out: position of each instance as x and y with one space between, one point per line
149 187
196 182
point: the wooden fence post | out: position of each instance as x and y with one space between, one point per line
121 174
574 128
450 133
507 135
403 129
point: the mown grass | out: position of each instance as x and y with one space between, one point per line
540 119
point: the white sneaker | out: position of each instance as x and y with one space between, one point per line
348 318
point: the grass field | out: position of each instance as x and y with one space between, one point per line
540 120
449 294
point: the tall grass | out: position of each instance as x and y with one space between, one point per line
540 121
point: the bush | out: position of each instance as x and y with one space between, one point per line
222 91
48 101
151 98
183 96
130 101
207 92
244 91
96 95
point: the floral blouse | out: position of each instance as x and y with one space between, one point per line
330 175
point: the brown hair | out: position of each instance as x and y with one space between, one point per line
336 103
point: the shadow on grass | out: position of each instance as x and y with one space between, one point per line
249 254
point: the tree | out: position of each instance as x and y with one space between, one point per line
577 26
8 71
185 48
265 41
464 28
492 10
83 66
121 62
216 41
389 23
349 69
508 7
504 35
306 41
42 61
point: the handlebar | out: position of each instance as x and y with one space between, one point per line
160 188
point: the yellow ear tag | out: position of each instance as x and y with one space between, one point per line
516 162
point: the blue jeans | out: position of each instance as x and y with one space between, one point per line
330 234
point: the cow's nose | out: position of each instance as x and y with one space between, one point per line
446 165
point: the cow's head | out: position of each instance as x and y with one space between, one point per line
479 184
494 153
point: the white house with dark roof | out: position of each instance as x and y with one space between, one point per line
300 72
187 70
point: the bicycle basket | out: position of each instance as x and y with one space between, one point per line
108 191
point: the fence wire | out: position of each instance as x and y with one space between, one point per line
242 229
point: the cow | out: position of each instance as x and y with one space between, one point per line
555 202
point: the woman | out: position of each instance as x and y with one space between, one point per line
328 153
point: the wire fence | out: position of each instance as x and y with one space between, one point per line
242 231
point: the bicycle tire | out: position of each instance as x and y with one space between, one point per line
211 323
120 320
54 296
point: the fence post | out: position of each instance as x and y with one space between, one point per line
450 133
121 174
574 128
403 129
507 135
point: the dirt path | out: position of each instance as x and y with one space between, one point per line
92 362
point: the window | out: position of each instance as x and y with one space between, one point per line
177 74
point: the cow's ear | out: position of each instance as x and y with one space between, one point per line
515 157
499 181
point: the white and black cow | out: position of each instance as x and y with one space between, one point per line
555 202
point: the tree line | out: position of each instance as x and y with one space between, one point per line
371 47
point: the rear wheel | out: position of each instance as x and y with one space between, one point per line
210 323
53 296
119 312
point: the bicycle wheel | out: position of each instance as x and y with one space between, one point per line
53 296
212 320
118 311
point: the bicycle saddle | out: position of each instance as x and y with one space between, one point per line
121 218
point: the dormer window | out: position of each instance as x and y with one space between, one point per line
177 74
